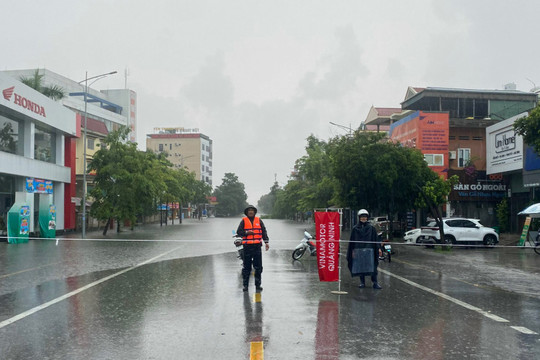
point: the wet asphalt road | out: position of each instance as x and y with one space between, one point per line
187 303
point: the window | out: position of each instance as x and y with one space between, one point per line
170 146
463 137
11 136
160 147
434 159
44 145
202 168
90 144
464 155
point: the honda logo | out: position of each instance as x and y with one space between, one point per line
8 93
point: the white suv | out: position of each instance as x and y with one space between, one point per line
459 230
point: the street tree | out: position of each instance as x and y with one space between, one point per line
377 174
231 196
529 128
267 201
434 193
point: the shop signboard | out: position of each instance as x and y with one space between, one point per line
476 186
504 147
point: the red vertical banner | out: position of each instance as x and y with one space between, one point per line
327 228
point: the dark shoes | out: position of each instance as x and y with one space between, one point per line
258 289
375 286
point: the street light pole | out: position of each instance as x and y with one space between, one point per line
86 78
343 127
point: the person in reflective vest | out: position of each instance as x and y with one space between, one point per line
253 233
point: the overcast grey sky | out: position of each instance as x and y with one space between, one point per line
259 77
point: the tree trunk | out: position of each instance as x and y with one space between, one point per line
106 226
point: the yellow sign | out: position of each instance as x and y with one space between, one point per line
525 231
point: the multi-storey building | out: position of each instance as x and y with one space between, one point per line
105 111
36 138
449 127
185 148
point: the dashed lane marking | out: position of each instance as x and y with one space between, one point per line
75 292
524 330
489 315
26 270
257 297
256 351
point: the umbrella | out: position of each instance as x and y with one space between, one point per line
532 211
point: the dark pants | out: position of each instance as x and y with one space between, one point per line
373 278
252 256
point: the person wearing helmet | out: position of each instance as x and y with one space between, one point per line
253 233
364 236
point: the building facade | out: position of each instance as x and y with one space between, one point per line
459 147
97 112
36 135
185 148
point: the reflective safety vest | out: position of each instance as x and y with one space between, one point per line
256 238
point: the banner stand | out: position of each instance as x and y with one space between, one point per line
338 291
340 212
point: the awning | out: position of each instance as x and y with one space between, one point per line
532 211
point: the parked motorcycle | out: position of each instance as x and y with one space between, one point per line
304 245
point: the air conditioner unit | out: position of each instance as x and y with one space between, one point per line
452 155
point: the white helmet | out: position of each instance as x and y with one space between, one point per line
363 212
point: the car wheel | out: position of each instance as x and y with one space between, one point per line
490 240
449 239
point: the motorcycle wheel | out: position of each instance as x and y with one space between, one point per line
298 253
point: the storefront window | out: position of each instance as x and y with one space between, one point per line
45 146
7 197
11 136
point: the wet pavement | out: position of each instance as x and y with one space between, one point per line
99 299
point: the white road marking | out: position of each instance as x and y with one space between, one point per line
75 292
487 314
524 330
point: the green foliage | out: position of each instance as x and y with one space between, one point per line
231 196
378 175
54 92
529 128
503 215
129 183
436 191
267 201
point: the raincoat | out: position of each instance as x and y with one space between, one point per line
363 236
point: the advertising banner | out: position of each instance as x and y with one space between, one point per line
327 238
525 231
39 186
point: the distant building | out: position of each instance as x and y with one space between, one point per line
185 148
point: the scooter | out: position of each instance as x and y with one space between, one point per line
239 247
386 249
304 245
